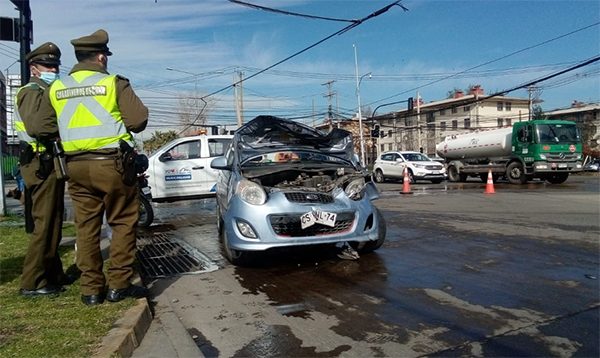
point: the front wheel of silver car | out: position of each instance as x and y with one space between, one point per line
236 257
369 246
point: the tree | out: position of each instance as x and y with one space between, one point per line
193 111
159 139
537 112
366 112
451 93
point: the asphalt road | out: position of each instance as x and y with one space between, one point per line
462 273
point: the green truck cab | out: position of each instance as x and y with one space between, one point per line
547 149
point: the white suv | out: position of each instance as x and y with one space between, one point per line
390 165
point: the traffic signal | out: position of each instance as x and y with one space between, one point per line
411 104
421 150
375 131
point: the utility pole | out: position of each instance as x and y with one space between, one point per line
418 122
337 108
530 90
25 31
241 116
313 113
329 95
239 100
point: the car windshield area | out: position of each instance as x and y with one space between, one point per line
293 157
268 134
558 134
416 157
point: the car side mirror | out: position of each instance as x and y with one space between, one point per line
220 163
165 156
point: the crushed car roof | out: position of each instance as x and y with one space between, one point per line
266 134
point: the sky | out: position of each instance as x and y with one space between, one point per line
430 49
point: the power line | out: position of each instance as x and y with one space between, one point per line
345 29
264 8
489 62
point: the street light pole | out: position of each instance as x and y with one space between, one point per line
362 142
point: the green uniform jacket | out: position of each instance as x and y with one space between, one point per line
133 112
29 99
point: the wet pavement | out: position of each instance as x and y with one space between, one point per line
462 273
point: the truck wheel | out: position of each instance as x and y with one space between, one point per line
515 173
483 177
453 174
557 178
378 177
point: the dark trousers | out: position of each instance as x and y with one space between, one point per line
42 265
96 186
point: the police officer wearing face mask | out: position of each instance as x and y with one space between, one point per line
94 113
42 269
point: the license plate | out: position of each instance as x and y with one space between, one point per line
564 165
317 217
435 172
146 190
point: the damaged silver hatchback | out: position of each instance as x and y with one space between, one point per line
284 184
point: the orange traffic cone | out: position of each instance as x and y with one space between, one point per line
405 184
489 187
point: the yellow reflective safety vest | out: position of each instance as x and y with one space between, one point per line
20 125
88 115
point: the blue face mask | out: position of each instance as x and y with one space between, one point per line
49 77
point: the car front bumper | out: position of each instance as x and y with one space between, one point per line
277 222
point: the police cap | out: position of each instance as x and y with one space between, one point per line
46 54
95 42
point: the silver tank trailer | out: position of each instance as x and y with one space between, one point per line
485 143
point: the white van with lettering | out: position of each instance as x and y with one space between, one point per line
180 169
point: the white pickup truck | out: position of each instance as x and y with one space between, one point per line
181 169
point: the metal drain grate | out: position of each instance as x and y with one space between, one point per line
162 255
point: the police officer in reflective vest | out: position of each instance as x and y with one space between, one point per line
42 269
93 112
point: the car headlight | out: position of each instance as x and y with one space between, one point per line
543 156
251 192
354 189
420 166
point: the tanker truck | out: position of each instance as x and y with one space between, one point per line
545 149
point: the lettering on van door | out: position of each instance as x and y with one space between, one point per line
173 174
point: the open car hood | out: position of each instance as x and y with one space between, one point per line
265 134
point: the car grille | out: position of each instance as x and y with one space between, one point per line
309 197
289 225
561 157
433 167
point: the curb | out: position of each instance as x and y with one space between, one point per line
127 332
167 336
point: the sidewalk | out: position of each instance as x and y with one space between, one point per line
166 336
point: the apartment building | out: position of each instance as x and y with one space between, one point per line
429 123
587 117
